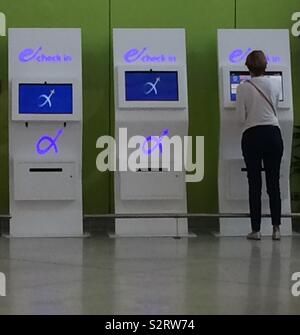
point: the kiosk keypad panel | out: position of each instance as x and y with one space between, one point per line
239 77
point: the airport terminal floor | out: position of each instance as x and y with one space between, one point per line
103 275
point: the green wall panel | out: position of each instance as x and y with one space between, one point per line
93 17
201 20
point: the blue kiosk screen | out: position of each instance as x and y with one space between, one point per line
151 86
45 99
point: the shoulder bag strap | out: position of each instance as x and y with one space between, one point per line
263 95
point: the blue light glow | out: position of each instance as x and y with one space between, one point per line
45 99
37 55
157 143
46 143
239 55
135 55
151 86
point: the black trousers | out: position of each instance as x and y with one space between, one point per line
263 145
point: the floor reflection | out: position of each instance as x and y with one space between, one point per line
150 275
45 276
99 275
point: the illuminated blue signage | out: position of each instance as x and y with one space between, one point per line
45 99
143 56
47 143
151 86
157 140
37 55
239 55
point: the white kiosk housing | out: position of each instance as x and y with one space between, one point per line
45 132
234 45
150 100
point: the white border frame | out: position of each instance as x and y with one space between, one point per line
227 103
182 88
77 101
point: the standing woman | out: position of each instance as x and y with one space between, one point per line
262 145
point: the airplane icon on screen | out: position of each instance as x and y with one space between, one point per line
153 87
47 99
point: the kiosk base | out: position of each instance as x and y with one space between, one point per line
47 236
242 227
166 227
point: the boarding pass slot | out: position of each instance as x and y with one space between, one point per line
32 170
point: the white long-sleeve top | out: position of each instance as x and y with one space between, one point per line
252 108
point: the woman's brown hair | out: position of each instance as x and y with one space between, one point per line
257 62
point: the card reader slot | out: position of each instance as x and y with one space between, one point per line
45 170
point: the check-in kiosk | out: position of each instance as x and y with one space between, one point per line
45 132
151 102
233 49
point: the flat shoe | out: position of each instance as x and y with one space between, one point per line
276 235
254 236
